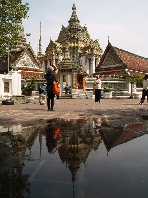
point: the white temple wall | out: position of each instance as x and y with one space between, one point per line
92 69
69 81
13 79
16 83
85 64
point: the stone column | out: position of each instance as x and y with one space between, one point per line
92 66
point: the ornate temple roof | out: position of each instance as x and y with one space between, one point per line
114 60
22 57
24 60
76 38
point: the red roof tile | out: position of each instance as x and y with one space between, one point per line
138 64
133 61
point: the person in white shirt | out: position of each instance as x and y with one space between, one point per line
97 87
145 89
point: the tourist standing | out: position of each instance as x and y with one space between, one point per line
145 89
42 93
50 78
97 87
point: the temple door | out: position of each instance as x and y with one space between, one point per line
80 81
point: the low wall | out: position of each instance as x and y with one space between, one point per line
19 99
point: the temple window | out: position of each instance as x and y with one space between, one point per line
6 87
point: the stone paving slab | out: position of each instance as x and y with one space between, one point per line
120 110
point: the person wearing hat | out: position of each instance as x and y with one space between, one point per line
97 87
50 78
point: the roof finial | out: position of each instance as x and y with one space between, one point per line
108 39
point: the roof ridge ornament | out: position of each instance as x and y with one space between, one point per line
74 21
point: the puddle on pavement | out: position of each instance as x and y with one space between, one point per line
88 157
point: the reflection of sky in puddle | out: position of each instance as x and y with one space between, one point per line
74 158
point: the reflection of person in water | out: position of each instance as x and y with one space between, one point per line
52 132
96 124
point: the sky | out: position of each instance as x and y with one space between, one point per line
124 22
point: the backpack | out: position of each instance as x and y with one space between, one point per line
56 89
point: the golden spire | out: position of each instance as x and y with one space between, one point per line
40 44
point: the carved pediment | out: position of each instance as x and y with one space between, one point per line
111 59
27 60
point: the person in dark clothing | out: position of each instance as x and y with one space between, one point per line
67 89
52 132
51 143
144 90
50 78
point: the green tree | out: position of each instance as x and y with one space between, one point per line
27 91
11 12
133 79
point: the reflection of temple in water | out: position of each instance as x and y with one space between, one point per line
115 135
14 142
77 138
75 142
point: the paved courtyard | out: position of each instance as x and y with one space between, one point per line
72 109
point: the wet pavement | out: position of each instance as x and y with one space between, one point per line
80 150
73 109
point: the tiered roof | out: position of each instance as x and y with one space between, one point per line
76 38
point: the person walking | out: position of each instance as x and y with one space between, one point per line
50 78
144 90
97 89
42 93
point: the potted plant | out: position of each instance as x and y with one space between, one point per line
107 93
27 90
133 79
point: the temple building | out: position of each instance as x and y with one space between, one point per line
115 60
22 57
74 53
